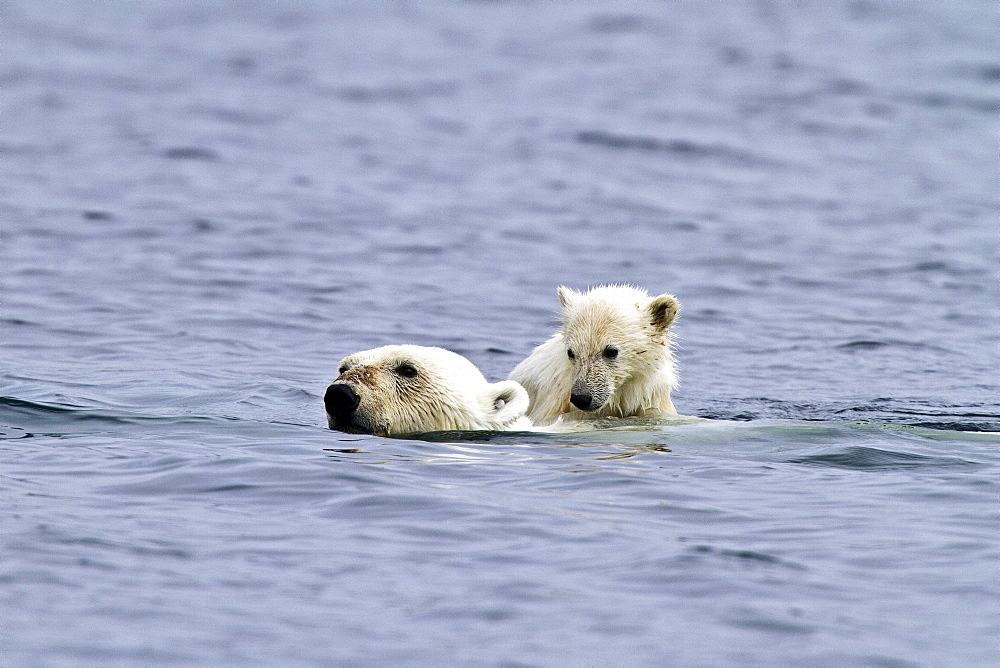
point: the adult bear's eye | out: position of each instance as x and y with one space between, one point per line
343 369
570 353
406 370
611 352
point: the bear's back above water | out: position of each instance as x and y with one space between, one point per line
612 357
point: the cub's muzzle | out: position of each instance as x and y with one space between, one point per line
581 400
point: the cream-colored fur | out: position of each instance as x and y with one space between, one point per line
621 357
416 389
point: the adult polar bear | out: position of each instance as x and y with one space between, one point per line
611 358
396 390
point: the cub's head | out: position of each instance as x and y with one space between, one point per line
416 389
614 335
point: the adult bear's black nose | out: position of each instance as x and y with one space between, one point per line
581 400
341 399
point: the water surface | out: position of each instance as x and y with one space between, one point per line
204 206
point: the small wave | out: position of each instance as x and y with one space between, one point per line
985 105
879 344
617 23
679 147
190 153
237 116
949 268
863 345
978 427
748 556
941 420
402 93
772 624
12 408
415 249
880 411
11 433
861 458
492 437
30 418
22 404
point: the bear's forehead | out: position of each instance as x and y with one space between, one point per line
436 362
603 320
606 308
374 358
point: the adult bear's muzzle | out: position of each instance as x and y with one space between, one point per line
342 412
341 400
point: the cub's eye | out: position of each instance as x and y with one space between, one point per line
343 369
406 370
611 352
570 353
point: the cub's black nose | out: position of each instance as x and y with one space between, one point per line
340 399
580 400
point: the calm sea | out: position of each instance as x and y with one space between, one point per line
204 205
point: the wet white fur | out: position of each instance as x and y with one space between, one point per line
637 383
448 393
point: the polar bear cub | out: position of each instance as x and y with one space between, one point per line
416 389
611 358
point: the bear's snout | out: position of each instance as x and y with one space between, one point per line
581 400
589 394
341 399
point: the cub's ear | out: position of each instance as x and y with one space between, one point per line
504 402
663 311
566 295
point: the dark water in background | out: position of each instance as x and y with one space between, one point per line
204 205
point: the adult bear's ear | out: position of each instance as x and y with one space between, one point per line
663 311
505 402
566 296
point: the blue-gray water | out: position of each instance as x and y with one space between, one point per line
204 205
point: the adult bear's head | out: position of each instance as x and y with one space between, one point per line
396 390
